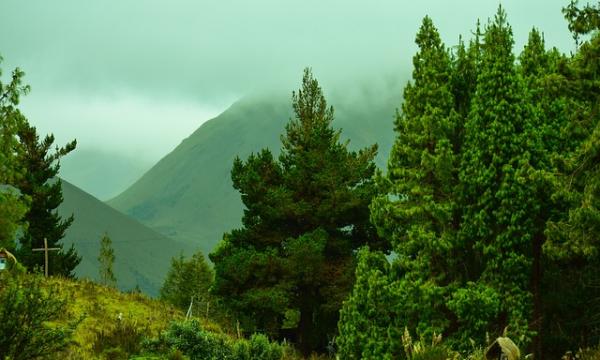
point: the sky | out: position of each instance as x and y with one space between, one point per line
130 79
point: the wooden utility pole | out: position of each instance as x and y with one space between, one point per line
45 249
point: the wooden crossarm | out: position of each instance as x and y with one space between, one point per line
42 249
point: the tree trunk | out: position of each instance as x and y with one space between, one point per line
305 331
536 283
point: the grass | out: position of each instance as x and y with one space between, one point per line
99 308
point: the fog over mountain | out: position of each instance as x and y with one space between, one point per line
134 78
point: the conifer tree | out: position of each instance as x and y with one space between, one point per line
416 213
369 326
305 215
41 184
572 245
106 260
500 188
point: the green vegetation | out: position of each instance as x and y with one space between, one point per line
479 241
13 204
490 201
188 281
27 311
106 259
191 339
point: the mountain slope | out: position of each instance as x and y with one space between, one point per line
188 195
142 256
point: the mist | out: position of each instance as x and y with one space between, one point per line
132 79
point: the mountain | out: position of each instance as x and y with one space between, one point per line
188 195
142 256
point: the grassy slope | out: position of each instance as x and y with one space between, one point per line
142 255
188 195
99 308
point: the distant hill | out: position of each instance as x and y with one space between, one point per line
142 256
188 195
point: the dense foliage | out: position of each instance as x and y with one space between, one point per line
292 262
13 204
189 338
489 201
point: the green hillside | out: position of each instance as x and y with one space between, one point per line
142 255
188 195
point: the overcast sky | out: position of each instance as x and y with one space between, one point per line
136 77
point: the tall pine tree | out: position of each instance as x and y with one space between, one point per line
305 216
41 184
417 214
501 188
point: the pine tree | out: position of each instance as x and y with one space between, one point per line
106 259
370 327
572 244
305 215
416 213
45 190
500 185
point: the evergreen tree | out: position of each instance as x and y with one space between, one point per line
106 259
416 213
305 215
13 204
465 71
503 191
370 327
571 306
45 190
187 279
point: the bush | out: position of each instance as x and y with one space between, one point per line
257 348
120 342
192 340
189 339
29 311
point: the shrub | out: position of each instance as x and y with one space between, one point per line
29 311
257 348
120 342
190 339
